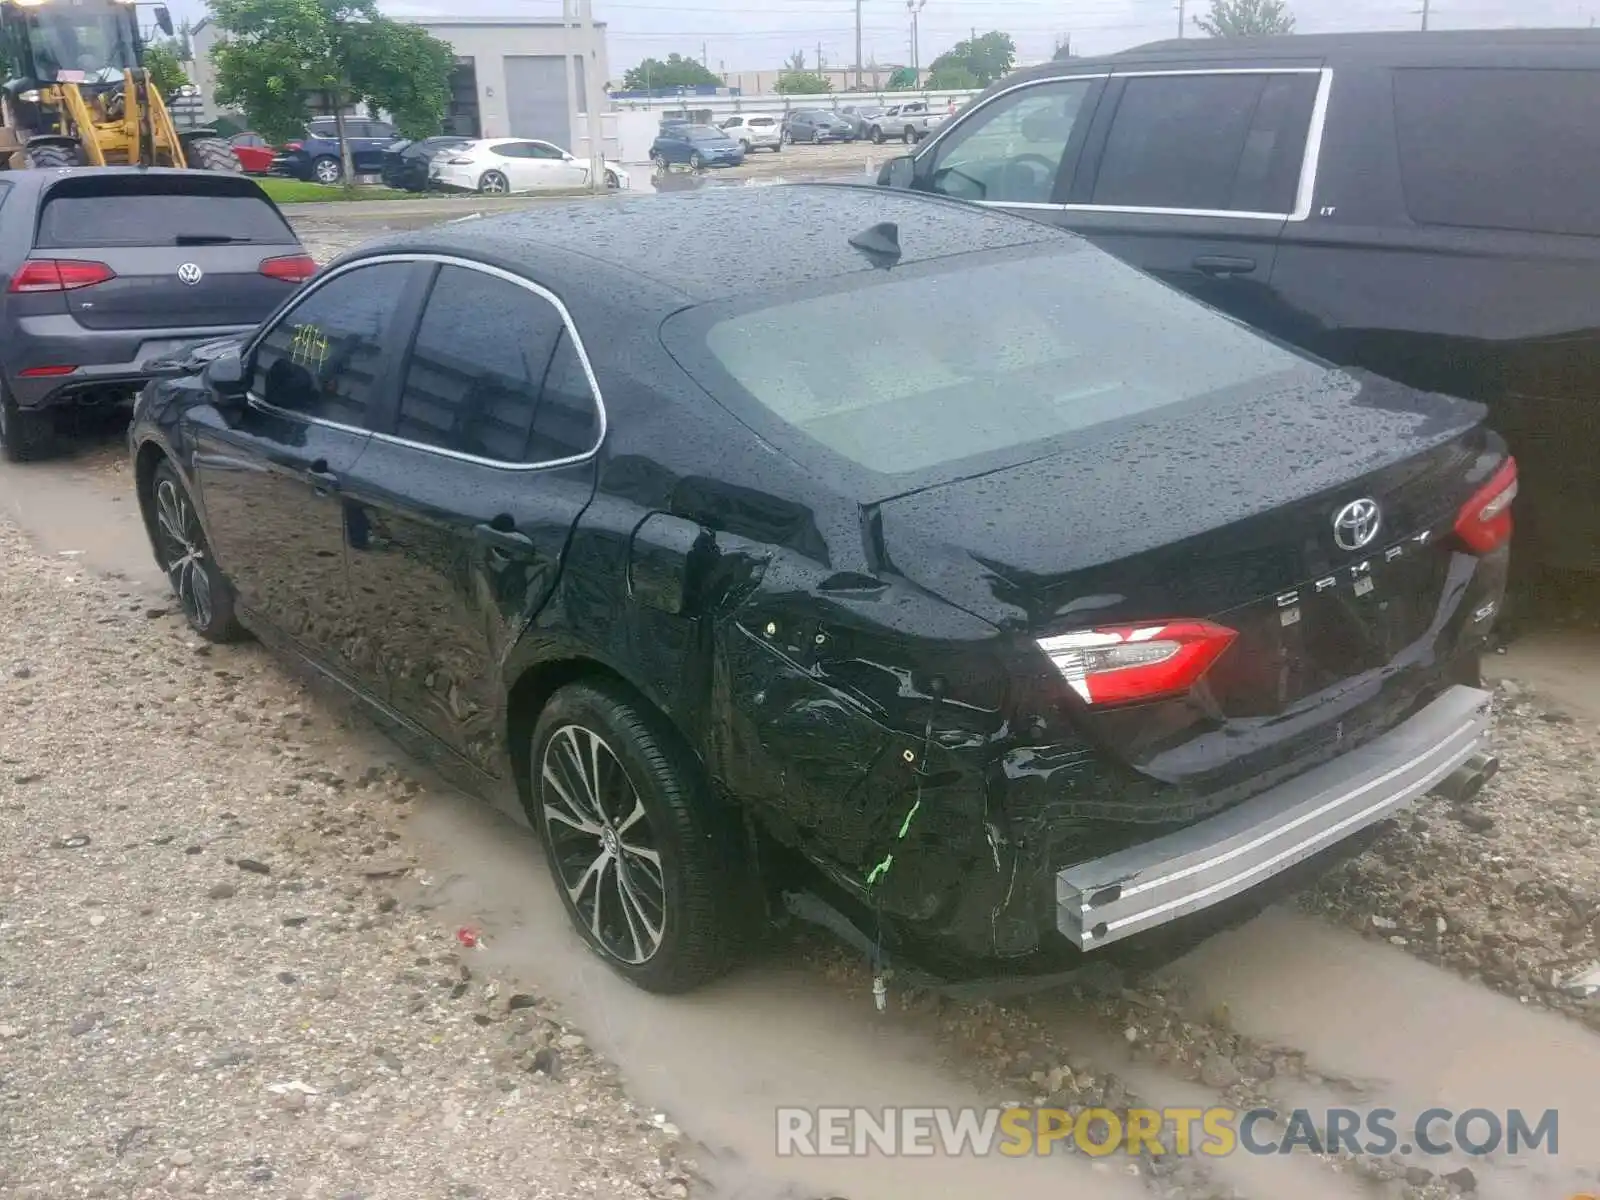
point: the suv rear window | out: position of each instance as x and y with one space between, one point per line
913 372
150 211
1500 148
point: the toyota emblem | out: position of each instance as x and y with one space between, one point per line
190 273
1356 524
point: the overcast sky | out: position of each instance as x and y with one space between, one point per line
748 35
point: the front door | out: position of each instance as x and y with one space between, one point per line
461 508
269 479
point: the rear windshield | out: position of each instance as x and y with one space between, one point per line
907 374
157 213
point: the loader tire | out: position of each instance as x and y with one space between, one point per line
50 155
212 154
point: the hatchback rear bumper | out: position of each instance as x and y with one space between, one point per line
99 358
1111 898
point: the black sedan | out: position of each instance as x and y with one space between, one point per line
405 164
815 541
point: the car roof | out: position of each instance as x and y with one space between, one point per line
717 243
37 181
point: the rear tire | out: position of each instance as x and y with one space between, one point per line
212 154
327 171
184 555
26 435
51 155
909 136
650 871
493 183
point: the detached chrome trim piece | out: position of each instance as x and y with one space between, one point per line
1305 195
1111 898
446 260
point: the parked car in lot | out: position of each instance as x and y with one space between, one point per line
815 125
755 131
106 271
405 163
697 146
315 158
861 118
909 122
1423 206
496 166
1023 605
254 153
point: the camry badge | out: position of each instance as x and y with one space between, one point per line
190 273
1356 524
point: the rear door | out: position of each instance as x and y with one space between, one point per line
187 251
461 508
1192 176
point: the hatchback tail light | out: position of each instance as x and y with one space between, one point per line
459 162
59 275
1484 523
1127 663
295 268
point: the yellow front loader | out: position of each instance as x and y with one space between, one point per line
77 92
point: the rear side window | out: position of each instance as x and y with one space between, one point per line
1496 148
492 375
102 211
323 357
1217 143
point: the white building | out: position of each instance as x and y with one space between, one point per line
510 78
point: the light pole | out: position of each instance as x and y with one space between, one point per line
858 45
914 7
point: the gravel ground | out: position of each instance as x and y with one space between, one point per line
1505 890
206 986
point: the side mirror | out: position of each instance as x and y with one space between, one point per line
898 172
225 377
164 19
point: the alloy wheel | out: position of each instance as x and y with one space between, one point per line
183 553
603 845
493 184
328 172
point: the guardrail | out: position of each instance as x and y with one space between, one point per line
832 101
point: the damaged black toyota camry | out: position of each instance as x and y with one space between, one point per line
877 557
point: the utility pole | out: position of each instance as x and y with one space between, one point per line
705 57
914 7
593 94
858 44
1180 17
1426 4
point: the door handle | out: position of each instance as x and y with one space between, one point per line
504 539
1223 264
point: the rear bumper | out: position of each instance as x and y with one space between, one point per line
100 358
1107 899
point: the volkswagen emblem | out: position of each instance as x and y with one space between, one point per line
190 273
1356 524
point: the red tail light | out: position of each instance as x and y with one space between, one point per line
59 275
1126 663
42 372
1484 523
293 146
295 268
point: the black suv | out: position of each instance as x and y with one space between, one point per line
1426 206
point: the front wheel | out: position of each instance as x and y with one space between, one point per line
612 182
648 869
876 135
494 183
696 163
203 592
327 170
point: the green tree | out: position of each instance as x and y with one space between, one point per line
984 58
676 71
951 77
162 59
277 56
1246 18
904 79
802 83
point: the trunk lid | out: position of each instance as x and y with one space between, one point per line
186 250
1229 515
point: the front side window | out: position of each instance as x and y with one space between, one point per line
543 150
1216 143
324 357
491 374
906 375
1012 149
